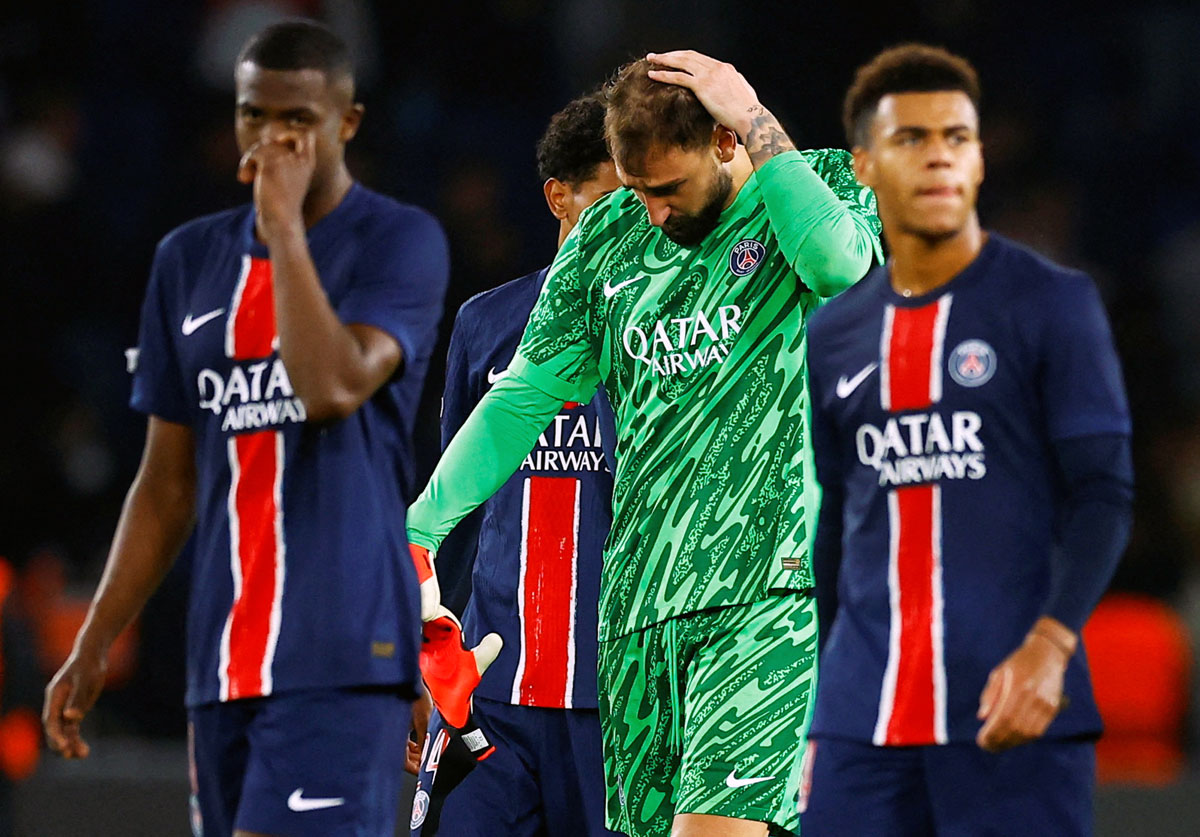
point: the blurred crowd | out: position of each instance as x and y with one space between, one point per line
115 126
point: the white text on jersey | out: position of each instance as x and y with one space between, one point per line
247 402
918 448
670 346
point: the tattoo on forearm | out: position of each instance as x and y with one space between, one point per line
766 138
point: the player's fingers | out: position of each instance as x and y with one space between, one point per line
999 710
412 758
52 723
248 164
987 699
683 59
671 77
995 734
1037 717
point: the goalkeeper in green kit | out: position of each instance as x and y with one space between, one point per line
685 294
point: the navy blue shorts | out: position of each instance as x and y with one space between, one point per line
319 762
1044 787
546 776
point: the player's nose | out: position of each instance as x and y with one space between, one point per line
278 132
658 210
938 154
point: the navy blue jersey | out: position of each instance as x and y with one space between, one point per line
301 576
536 576
936 417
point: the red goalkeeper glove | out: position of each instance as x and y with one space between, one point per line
452 671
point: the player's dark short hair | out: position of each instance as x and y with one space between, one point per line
573 146
908 68
299 45
643 114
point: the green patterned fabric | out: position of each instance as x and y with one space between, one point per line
707 713
701 351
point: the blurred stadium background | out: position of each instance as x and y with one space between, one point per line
115 126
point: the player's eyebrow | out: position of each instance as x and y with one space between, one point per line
923 131
289 113
664 188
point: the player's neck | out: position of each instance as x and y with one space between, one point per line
325 198
920 265
740 168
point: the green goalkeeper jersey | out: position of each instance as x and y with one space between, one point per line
701 352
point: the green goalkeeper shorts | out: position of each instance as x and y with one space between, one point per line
707 713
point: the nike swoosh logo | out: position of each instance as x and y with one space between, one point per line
846 386
297 802
190 324
732 782
609 290
494 376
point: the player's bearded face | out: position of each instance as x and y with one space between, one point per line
925 163
684 192
690 228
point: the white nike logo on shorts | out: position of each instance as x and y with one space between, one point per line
297 802
494 376
190 324
846 386
732 782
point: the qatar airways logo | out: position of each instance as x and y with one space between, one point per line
682 345
251 396
556 448
921 448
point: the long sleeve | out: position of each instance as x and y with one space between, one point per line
554 363
496 438
1097 475
823 218
456 557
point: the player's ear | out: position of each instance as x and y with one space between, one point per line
864 166
351 120
557 195
726 142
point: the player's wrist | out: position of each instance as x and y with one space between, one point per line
286 233
753 111
1056 634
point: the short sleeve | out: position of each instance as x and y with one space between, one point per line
400 281
1080 384
158 384
557 354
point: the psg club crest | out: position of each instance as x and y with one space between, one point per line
420 809
972 363
746 256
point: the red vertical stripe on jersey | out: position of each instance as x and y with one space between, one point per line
547 589
912 717
255 515
909 357
253 318
250 619
913 700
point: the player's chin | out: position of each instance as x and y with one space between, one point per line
937 225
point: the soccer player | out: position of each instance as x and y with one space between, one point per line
282 351
536 557
972 440
686 294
